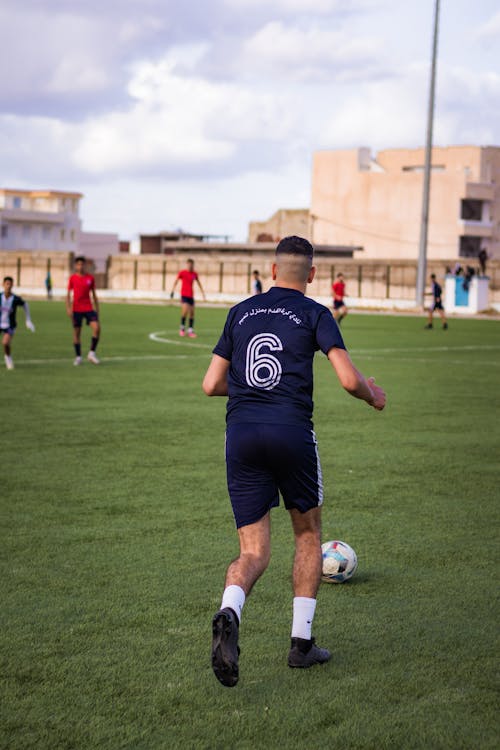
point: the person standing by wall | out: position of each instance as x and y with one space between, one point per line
256 283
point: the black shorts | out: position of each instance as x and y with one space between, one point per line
10 331
188 301
89 316
263 460
437 305
338 303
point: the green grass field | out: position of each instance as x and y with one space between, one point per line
116 531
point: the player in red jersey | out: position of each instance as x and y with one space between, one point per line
187 277
82 286
339 306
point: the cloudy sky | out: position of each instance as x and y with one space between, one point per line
204 114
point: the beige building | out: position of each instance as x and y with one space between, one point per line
283 222
376 202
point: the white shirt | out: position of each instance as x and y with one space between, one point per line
6 310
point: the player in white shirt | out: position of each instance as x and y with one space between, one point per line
9 302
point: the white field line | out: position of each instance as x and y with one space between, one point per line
68 360
369 354
158 337
427 349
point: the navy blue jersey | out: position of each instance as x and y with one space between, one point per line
436 291
270 342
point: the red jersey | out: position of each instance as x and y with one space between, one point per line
338 290
81 286
187 278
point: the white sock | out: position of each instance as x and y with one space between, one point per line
303 615
233 597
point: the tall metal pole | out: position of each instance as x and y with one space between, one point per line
422 251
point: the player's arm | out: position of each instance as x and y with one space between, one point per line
29 323
68 302
353 381
173 288
201 288
96 301
215 380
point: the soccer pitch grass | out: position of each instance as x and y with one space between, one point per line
116 531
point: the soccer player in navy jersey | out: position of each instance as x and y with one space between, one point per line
264 363
437 303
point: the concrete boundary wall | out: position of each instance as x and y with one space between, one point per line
226 278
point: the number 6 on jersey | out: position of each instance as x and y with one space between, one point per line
262 369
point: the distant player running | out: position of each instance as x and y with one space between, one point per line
9 304
187 277
82 286
264 363
339 306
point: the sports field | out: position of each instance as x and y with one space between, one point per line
116 531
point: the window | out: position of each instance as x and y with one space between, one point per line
62 235
471 210
16 201
421 168
5 230
469 247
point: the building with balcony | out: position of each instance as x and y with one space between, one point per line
48 220
39 220
376 201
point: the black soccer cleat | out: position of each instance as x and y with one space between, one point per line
428 326
225 649
304 654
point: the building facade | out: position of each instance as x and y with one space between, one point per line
285 221
376 201
39 220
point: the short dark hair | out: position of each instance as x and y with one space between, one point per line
433 275
80 257
294 245
8 278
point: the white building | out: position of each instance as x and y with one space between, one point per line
39 220
49 220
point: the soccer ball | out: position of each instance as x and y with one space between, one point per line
339 562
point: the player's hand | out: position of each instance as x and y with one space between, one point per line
378 395
30 326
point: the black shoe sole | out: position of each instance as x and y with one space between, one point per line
225 650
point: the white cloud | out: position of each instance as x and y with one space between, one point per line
310 53
178 119
490 29
289 6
